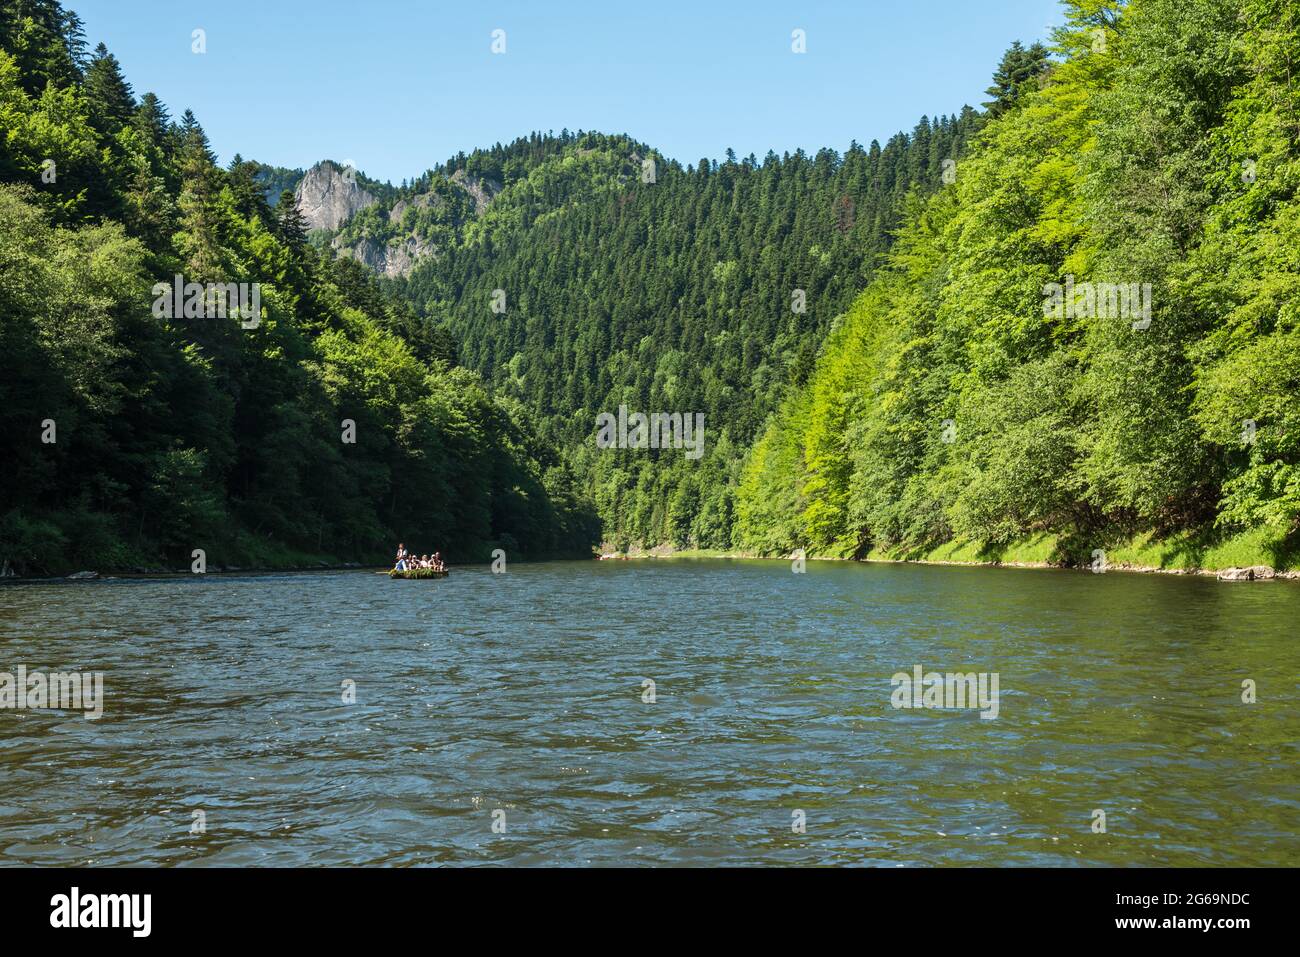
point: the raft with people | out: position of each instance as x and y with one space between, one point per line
419 573
410 565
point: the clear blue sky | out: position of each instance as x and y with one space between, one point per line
397 87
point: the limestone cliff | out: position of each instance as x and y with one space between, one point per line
392 259
329 196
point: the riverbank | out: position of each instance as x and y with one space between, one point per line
149 574
269 559
1184 554
1187 554
21 559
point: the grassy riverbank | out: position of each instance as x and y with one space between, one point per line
1187 553
1184 552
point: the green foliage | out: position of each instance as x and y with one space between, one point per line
952 406
417 573
131 438
1020 66
675 295
926 402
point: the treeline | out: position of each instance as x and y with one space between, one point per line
313 432
959 399
627 279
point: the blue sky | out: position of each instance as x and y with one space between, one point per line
397 87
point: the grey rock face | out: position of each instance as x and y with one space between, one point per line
401 206
1253 573
328 196
481 189
392 260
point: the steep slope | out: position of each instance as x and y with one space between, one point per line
587 271
991 390
319 426
389 230
329 195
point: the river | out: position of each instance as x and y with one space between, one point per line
506 718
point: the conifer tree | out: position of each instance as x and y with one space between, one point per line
112 104
1019 65
292 223
199 240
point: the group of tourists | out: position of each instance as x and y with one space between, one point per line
407 561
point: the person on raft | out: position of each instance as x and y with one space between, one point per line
409 561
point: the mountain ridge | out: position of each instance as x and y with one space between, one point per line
600 274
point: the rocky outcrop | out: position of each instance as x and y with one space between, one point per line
402 205
328 196
402 257
389 259
1255 573
481 189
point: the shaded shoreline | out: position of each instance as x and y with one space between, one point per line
663 552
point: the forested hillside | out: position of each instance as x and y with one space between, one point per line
966 398
1059 324
601 274
134 435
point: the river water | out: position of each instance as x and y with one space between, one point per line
506 719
